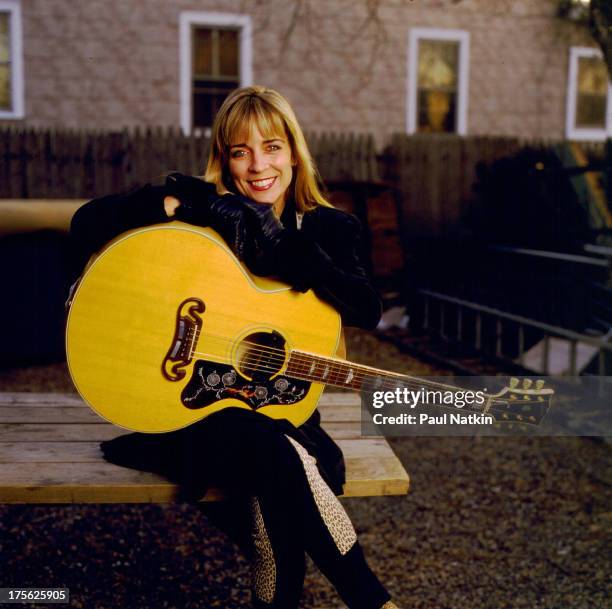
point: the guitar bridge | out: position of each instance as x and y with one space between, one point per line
186 332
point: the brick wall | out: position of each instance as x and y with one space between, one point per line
111 63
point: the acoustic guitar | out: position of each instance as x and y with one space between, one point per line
167 327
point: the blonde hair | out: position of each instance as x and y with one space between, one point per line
273 115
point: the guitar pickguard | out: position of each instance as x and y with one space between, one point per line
212 382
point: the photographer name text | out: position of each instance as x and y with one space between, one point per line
425 419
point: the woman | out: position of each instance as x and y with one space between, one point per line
260 193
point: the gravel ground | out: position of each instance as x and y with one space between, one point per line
489 523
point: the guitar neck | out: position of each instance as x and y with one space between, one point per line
349 375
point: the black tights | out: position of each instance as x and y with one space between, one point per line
292 511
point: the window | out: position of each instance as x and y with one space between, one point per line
11 70
437 81
216 58
589 96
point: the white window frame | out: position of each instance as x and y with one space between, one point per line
13 7
580 133
187 20
463 38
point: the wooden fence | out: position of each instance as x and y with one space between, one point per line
44 164
435 174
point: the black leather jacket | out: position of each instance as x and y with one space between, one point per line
325 254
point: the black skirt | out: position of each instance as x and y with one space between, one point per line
221 449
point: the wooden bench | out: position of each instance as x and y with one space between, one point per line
49 453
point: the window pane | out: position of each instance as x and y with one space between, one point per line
438 60
5 70
592 93
5 88
202 110
437 86
4 37
437 112
208 95
216 71
202 51
228 52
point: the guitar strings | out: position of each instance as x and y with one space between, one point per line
334 368
300 375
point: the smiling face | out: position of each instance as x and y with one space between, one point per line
261 167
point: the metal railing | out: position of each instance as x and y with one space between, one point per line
451 306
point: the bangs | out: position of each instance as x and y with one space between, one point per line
251 112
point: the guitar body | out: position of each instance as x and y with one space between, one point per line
167 327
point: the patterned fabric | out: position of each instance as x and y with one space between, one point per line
332 513
264 567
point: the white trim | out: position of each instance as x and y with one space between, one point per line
189 18
571 131
463 38
13 7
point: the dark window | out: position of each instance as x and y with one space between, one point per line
592 93
215 71
5 62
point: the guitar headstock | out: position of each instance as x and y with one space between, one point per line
521 402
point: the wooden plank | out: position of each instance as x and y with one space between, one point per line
26 215
102 473
83 432
50 452
41 399
57 415
89 452
105 483
41 432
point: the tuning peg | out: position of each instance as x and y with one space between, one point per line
539 384
527 383
514 383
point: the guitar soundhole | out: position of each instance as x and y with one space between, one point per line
261 355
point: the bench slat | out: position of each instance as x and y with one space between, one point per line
40 399
89 452
101 481
78 432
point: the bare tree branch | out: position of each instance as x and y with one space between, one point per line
600 24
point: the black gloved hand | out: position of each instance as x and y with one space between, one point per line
252 231
299 261
195 196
